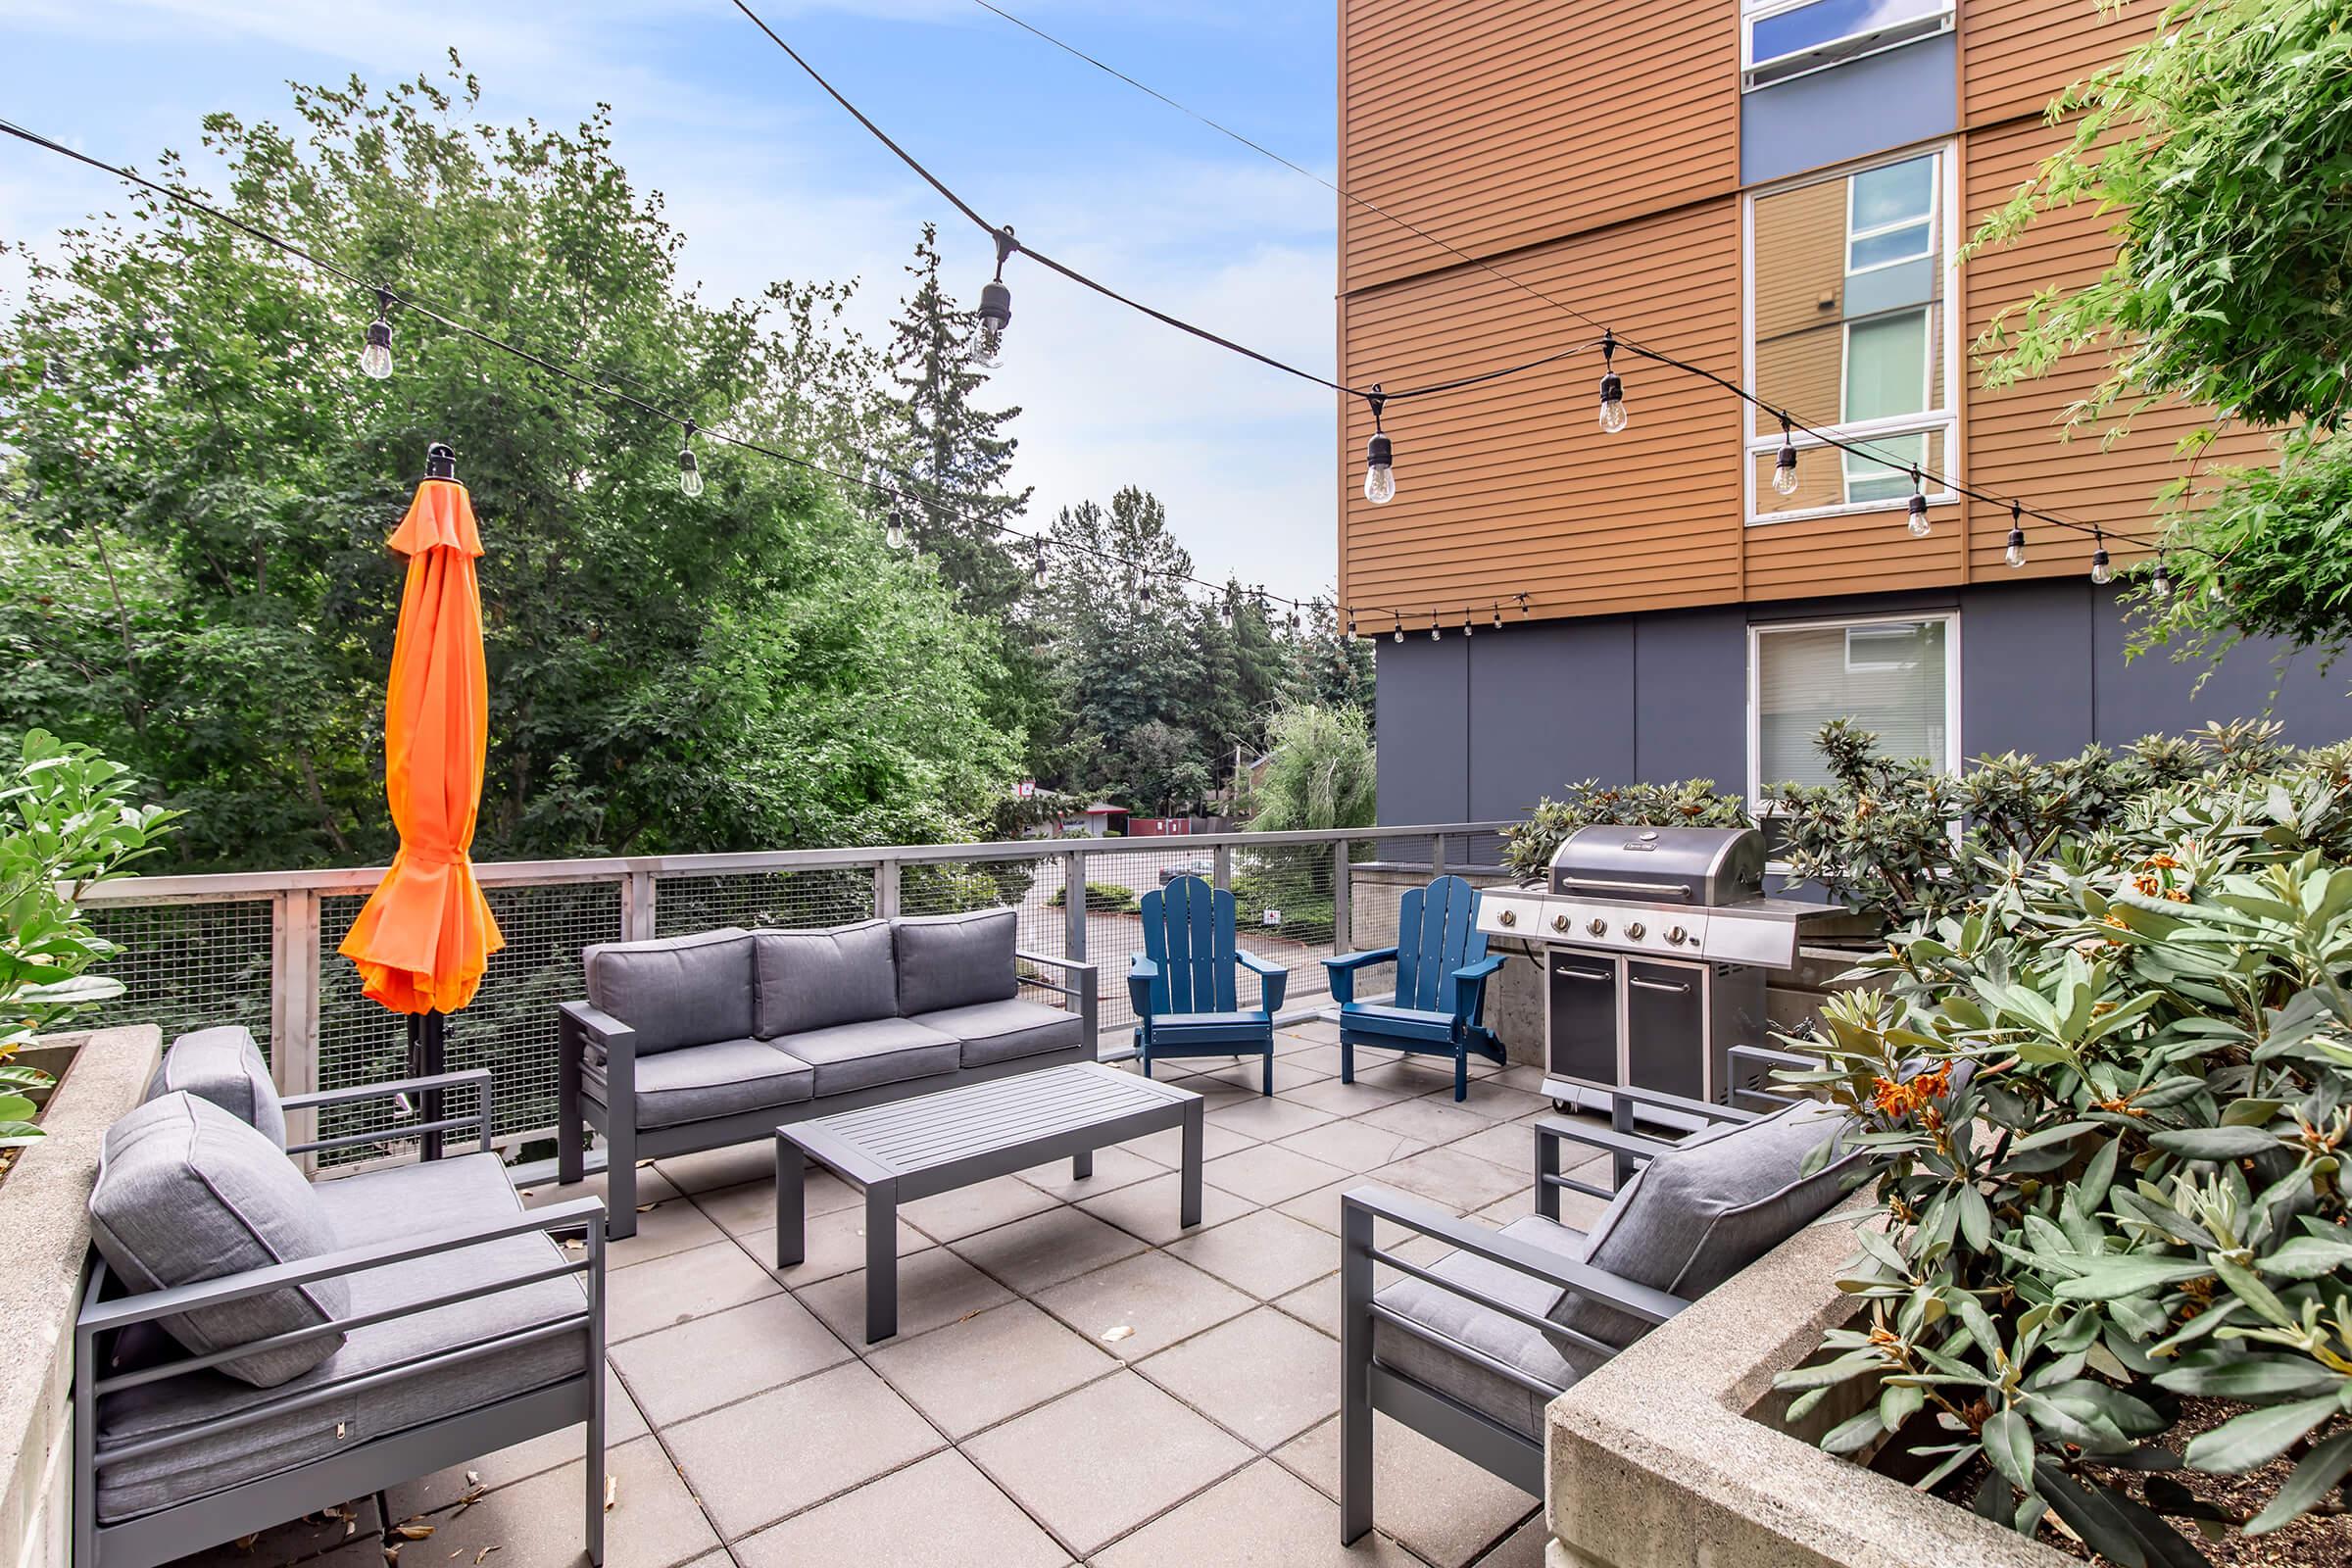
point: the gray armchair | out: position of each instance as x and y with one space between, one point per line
424 1318
1468 1350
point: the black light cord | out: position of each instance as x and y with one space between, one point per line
280 243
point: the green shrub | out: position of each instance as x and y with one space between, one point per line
67 820
1688 803
1101 898
2109 1094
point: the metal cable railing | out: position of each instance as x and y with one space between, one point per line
258 948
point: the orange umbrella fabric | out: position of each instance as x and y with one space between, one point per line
427 933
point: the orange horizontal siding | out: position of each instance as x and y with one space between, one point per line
1496 125
1511 487
2020 54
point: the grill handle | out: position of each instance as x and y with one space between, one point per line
1678 987
1659 890
1583 974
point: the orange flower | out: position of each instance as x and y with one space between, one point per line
2146 886
2160 863
1897 1100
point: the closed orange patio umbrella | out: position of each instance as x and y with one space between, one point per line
426 934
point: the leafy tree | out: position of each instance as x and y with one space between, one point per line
200 484
1321 773
2220 147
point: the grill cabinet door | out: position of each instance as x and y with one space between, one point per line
1584 1017
1666 1029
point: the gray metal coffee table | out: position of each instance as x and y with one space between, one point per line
935 1142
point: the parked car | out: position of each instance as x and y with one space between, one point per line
1200 866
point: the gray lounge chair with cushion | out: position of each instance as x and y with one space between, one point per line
1469 1349
252 1346
701 1042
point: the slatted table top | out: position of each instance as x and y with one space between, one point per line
931 1131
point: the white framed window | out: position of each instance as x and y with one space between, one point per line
1784 38
1897 677
1846 324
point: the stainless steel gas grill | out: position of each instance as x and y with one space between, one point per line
1657 943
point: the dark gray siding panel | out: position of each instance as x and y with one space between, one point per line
1422 694
1551 703
2025 667
2151 692
1850 111
1691 693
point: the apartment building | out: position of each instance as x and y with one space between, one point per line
1780 191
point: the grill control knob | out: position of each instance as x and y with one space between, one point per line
1598 926
1509 917
1633 932
1677 936
1560 922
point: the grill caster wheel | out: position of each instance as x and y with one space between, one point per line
1563 1106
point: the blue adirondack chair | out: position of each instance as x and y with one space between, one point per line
1183 983
1442 970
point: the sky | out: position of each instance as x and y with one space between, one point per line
768 179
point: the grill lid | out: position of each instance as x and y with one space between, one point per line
1701 867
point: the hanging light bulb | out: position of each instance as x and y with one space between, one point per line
994 314
1037 574
1612 386
2161 584
1225 612
690 472
1784 468
1351 625
1143 591
2102 569
1498 615
1919 524
2015 555
1400 629
2217 592
1380 473
1292 622
1524 612
895 534
1432 626
375 360
1469 627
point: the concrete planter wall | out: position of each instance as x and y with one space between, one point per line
44 1216
1672 1455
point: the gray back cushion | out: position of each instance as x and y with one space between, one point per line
676 991
187 1191
224 1066
954 960
1703 1210
814 979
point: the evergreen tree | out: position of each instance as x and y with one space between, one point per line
946 450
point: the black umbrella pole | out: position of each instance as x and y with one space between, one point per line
428 1057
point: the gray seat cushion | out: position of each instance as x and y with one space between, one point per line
676 991
726 1078
813 979
1002 1031
1703 1210
879 1051
223 1065
186 1193
1465 1322
956 960
450 1195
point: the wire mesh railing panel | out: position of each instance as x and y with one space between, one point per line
510 1029
821 896
189 965
1033 889
1283 910
1116 879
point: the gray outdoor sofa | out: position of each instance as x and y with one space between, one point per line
701 1042
1471 1349
253 1346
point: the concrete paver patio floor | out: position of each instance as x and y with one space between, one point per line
1011 1421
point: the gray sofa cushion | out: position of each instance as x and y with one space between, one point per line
1703 1210
879 1051
675 991
954 960
1001 1031
224 1066
450 1194
726 1078
187 1192
813 979
1465 1322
